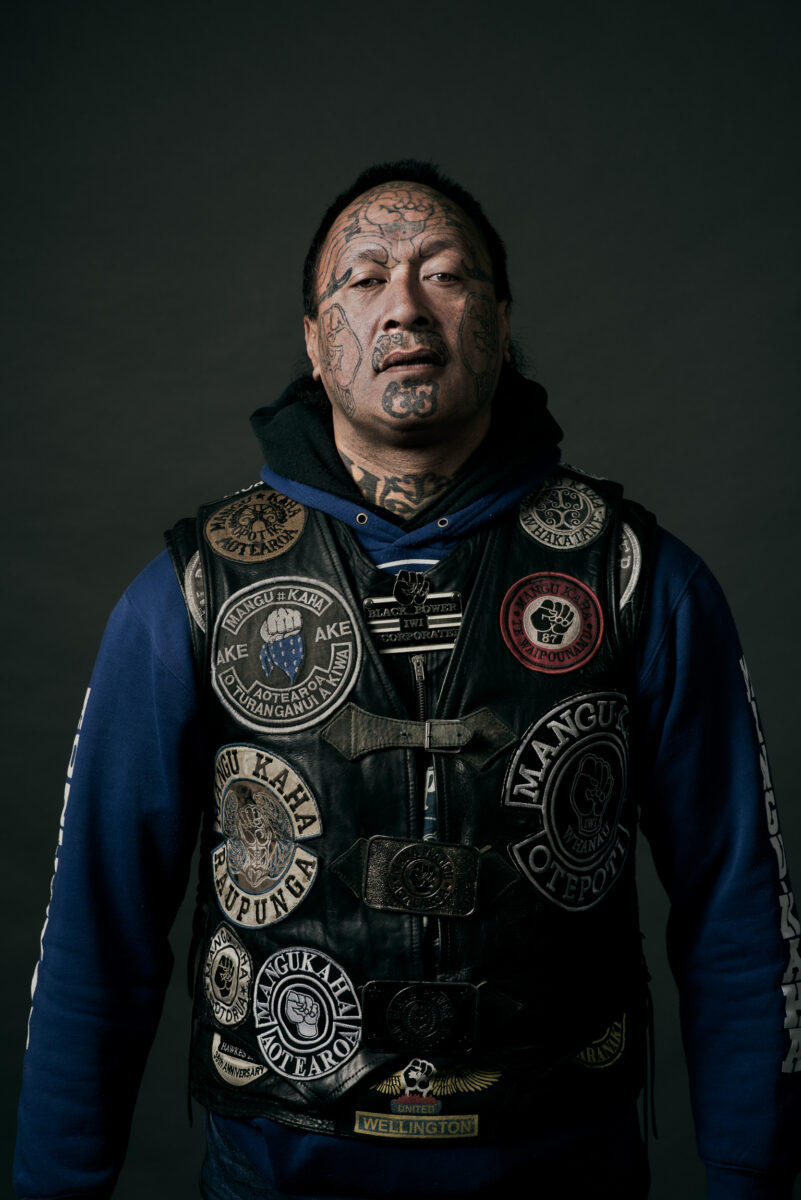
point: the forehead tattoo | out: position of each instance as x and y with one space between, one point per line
393 214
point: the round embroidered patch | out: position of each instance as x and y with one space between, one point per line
228 973
308 1017
564 514
234 1064
264 809
551 622
570 774
195 591
256 526
285 653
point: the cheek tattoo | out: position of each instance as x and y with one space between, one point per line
478 343
341 354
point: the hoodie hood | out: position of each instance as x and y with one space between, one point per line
296 437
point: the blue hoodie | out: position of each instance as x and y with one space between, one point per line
130 822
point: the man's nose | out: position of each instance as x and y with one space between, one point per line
405 305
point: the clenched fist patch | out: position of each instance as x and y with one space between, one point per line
285 654
551 622
307 1014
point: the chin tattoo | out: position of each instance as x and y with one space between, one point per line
402 400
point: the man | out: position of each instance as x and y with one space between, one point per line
419 680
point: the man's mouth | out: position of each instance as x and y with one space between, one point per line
413 358
420 351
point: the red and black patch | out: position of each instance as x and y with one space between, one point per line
551 622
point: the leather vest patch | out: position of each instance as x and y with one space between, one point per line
228 976
195 591
308 1018
630 563
570 774
256 526
551 622
233 1064
285 654
263 809
564 515
606 1050
418 1093
413 618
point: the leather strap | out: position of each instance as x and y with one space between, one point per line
355 732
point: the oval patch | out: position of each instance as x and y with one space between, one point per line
308 1017
551 622
256 526
233 1064
228 974
570 773
285 654
264 809
564 514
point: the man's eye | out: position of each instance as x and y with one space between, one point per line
443 276
367 282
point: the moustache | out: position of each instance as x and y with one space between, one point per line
405 344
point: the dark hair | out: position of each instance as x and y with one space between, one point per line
412 171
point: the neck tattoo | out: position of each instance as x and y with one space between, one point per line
402 495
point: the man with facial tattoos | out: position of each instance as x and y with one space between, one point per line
419 686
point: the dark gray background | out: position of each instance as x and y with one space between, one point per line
165 169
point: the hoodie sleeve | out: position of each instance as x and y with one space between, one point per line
709 813
130 820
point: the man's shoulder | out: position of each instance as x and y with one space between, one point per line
677 561
673 559
686 611
153 606
152 588
235 497
680 588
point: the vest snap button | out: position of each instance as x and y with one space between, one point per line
361 518
442 522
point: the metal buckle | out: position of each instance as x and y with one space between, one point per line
419 1017
436 744
428 878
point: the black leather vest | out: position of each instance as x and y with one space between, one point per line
350 977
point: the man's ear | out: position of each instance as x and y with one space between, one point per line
504 328
310 333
